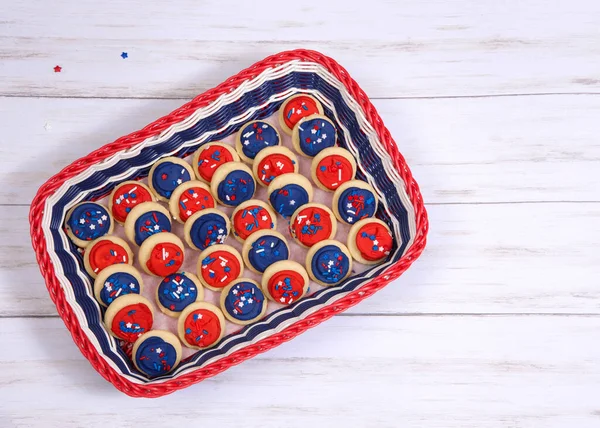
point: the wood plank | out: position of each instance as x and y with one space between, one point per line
460 150
515 258
413 48
438 372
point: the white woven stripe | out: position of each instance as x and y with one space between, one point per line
223 100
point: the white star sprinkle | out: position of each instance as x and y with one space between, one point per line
104 217
158 350
264 218
292 202
92 226
375 242
81 221
323 136
349 205
179 181
188 212
128 325
313 131
221 231
156 227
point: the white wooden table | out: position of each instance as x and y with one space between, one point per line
496 106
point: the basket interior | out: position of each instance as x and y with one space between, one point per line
255 99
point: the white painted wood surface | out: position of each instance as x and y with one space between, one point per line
495 326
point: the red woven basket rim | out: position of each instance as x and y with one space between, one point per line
182 381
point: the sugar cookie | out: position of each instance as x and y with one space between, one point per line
251 216
295 108
189 198
168 173
87 221
211 156
126 196
145 220
206 228
128 317
233 184
177 291
313 134
332 167
285 282
156 353
312 223
328 262
370 241
255 136
106 251
243 302
289 192
116 281
273 162
264 248
353 201
161 254
201 325
218 266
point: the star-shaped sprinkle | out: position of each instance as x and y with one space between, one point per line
124 55
128 325
104 217
57 69
92 226
292 202
158 350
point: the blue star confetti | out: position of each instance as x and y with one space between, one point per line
124 55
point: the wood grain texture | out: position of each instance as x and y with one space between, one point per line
511 149
438 372
412 48
514 258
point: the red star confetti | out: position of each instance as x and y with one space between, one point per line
57 69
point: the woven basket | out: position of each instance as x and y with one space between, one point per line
254 93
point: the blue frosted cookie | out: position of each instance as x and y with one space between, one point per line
243 302
177 291
145 220
255 136
116 281
168 173
328 262
313 134
353 201
289 192
87 221
156 353
263 248
205 228
233 184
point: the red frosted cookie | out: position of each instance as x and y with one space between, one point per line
297 107
211 156
201 325
272 162
312 223
128 317
285 282
161 254
370 241
106 251
189 198
218 265
252 216
332 167
126 196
